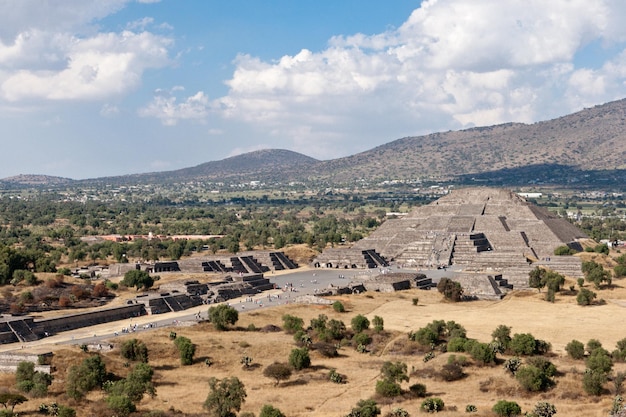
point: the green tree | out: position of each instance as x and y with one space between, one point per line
9 399
536 278
223 315
359 323
186 350
595 273
270 411
225 397
139 279
134 350
277 371
299 358
89 375
135 385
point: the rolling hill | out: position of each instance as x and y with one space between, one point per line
589 145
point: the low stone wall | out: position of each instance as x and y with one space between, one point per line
72 322
10 361
312 299
387 286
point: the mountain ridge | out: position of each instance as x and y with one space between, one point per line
593 139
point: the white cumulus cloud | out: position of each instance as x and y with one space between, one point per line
165 107
52 51
452 64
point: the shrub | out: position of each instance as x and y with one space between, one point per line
593 344
452 372
544 409
575 349
536 376
432 405
28 380
471 408
507 408
361 339
134 350
64 411
593 382
394 371
100 290
512 365
502 334
338 307
378 323
186 350
564 250
424 336
270 411
523 344
599 360
451 290
585 297
619 354
601 248
414 301
299 358
388 388
277 371
336 377
418 390
111 285
359 323
456 344
120 404
483 353
397 412
336 329
620 271
365 408
327 350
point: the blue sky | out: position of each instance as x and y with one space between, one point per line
92 88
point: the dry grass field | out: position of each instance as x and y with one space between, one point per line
310 393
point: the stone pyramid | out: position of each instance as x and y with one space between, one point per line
480 229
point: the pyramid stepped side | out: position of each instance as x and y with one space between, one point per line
569 266
433 250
